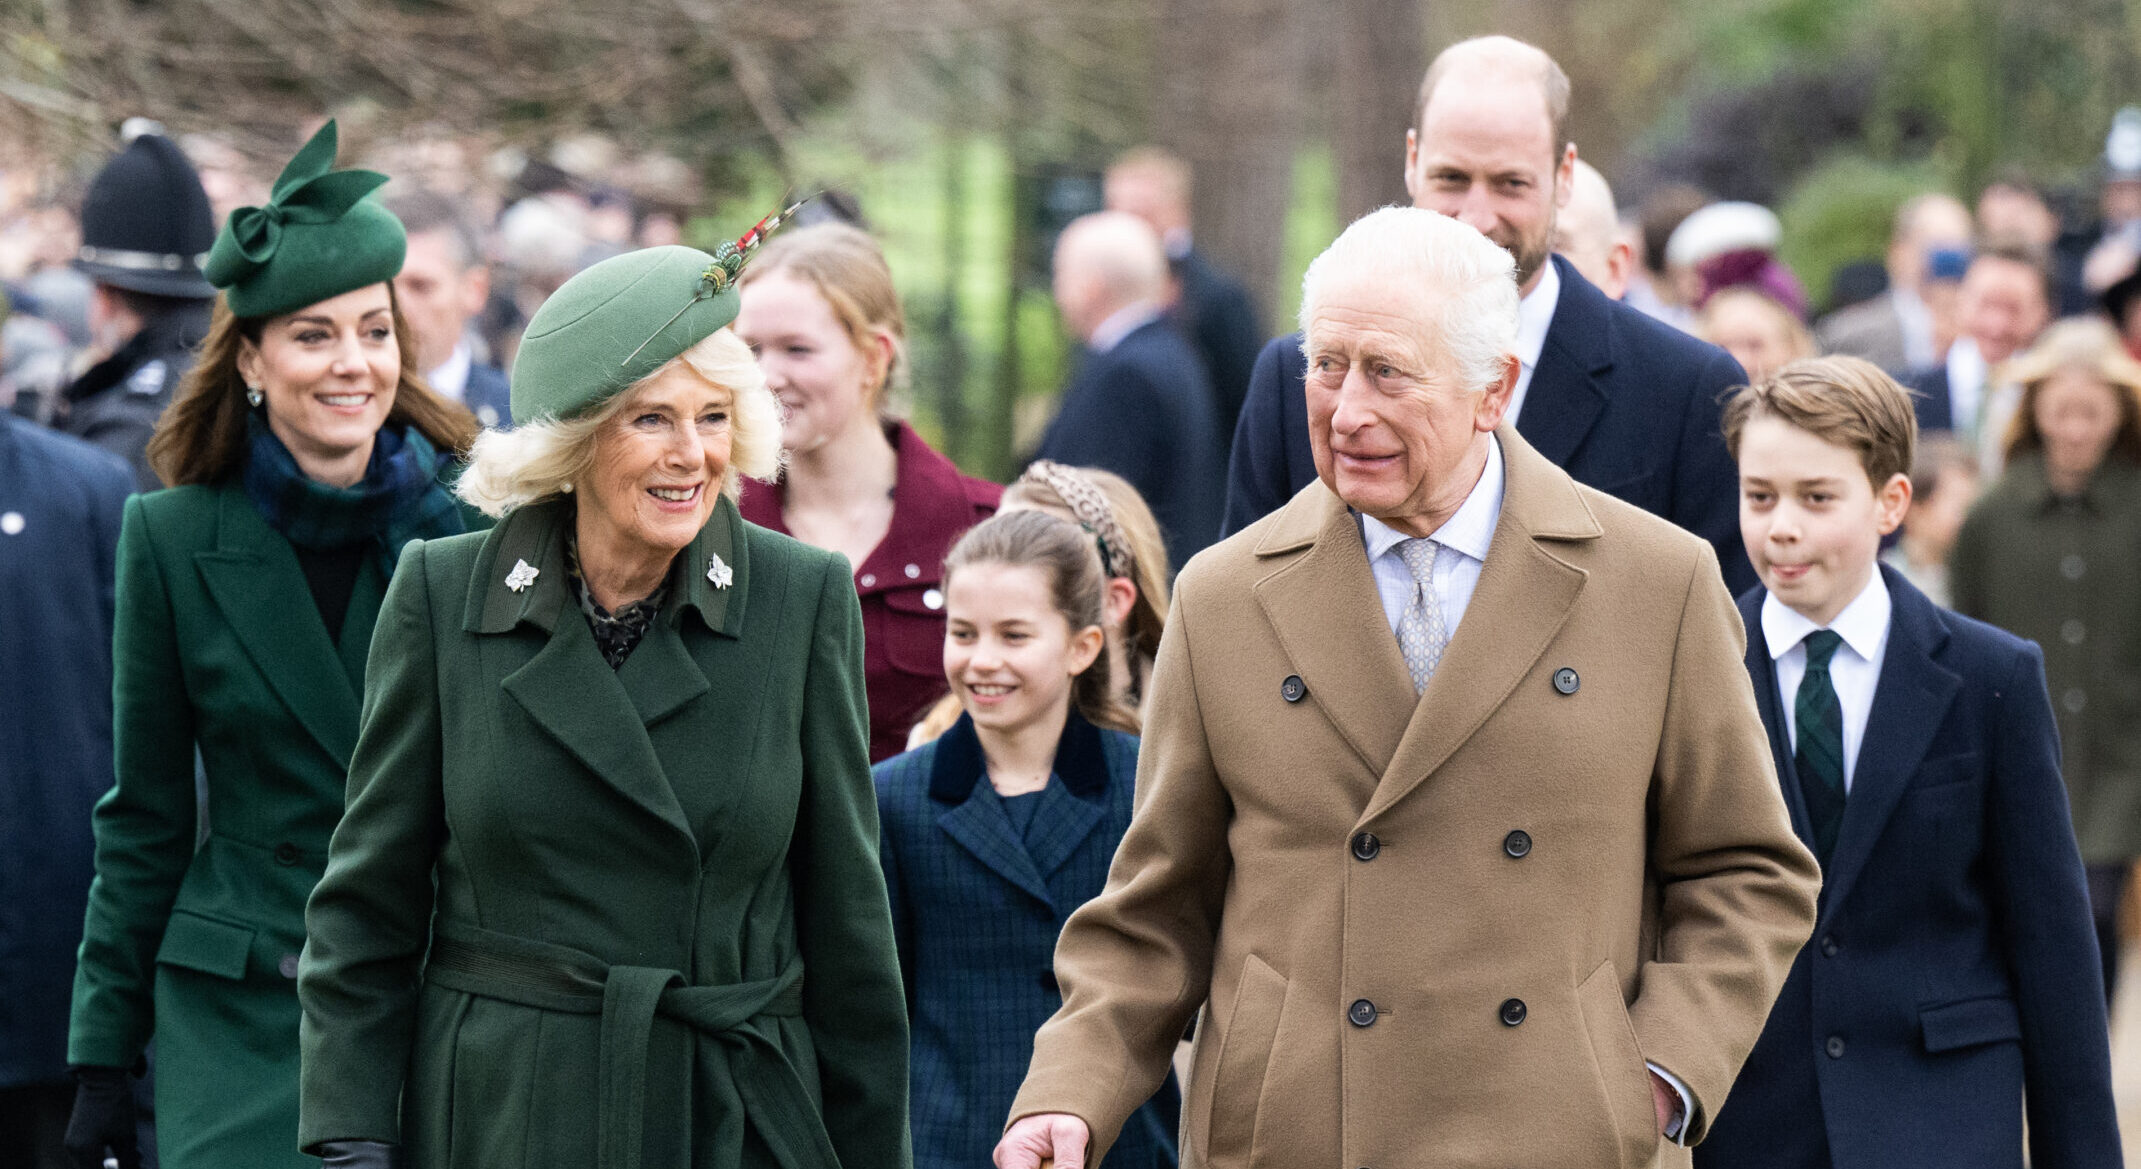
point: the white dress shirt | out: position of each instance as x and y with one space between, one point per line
1535 314
451 379
1915 323
1461 545
1966 386
1854 671
1460 552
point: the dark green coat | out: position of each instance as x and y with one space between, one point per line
632 869
217 644
2066 574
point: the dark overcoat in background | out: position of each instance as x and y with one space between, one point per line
1622 402
656 928
218 646
60 502
2066 574
1143 409
1953 970
977 907
116 402
1218 316
489 396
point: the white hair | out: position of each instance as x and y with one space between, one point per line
545 457
1118 249
1475 322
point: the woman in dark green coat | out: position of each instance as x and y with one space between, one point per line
303 452
606 893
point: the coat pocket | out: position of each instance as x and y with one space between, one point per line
193 942
1623 1076
1244 1057
1953 1026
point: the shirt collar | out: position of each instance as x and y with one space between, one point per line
1535 314
1469 531
1862 624
451 379
1966 367
1122 323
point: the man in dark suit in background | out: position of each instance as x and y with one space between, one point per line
1619 401
1139 404
1212 309
442 286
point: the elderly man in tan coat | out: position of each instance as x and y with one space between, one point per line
1455 815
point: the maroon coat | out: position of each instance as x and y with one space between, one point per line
901 581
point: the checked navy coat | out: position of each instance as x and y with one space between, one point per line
976 910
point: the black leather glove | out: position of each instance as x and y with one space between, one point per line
103 1119
356 1155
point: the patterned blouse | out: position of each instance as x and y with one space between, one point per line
616 634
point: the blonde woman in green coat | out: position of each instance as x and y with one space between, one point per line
606 893
303 452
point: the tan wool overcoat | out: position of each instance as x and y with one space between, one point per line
1443 932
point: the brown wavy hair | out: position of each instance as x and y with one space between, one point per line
1076 583
201 436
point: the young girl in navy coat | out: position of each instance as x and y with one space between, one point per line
998 830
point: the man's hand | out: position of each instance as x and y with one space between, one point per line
1665 1099
1035 1140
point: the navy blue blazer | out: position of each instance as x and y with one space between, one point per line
1929 398
1953 966
976 910
60 502
489 396
1144 410
1622 402
1216 313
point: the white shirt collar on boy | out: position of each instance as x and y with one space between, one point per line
1854 671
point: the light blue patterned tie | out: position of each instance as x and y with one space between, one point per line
1422 634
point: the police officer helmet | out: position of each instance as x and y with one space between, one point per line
146 223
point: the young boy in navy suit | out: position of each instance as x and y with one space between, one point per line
1953 969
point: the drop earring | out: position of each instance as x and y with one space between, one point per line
253 395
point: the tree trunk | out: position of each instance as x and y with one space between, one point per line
1382 45
1230 89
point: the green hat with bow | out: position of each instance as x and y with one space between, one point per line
319 236
624 318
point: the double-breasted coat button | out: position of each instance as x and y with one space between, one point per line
1361 1013
1566 681
1513 1012
1835 1047
2072 566
1366 847
1829 947
286 854
1517 844
288 966
1293 689
2074 701
2072 632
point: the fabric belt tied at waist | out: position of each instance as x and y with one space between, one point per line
550 977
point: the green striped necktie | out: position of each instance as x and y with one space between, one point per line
1819 753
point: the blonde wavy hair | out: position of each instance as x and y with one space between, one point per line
508 469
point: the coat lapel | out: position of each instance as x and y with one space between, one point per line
973 817
1910 702
1076 803
1566 396
566 687
1762 671
1524 597
1328 618
254 578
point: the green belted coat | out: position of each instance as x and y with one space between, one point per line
657 931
